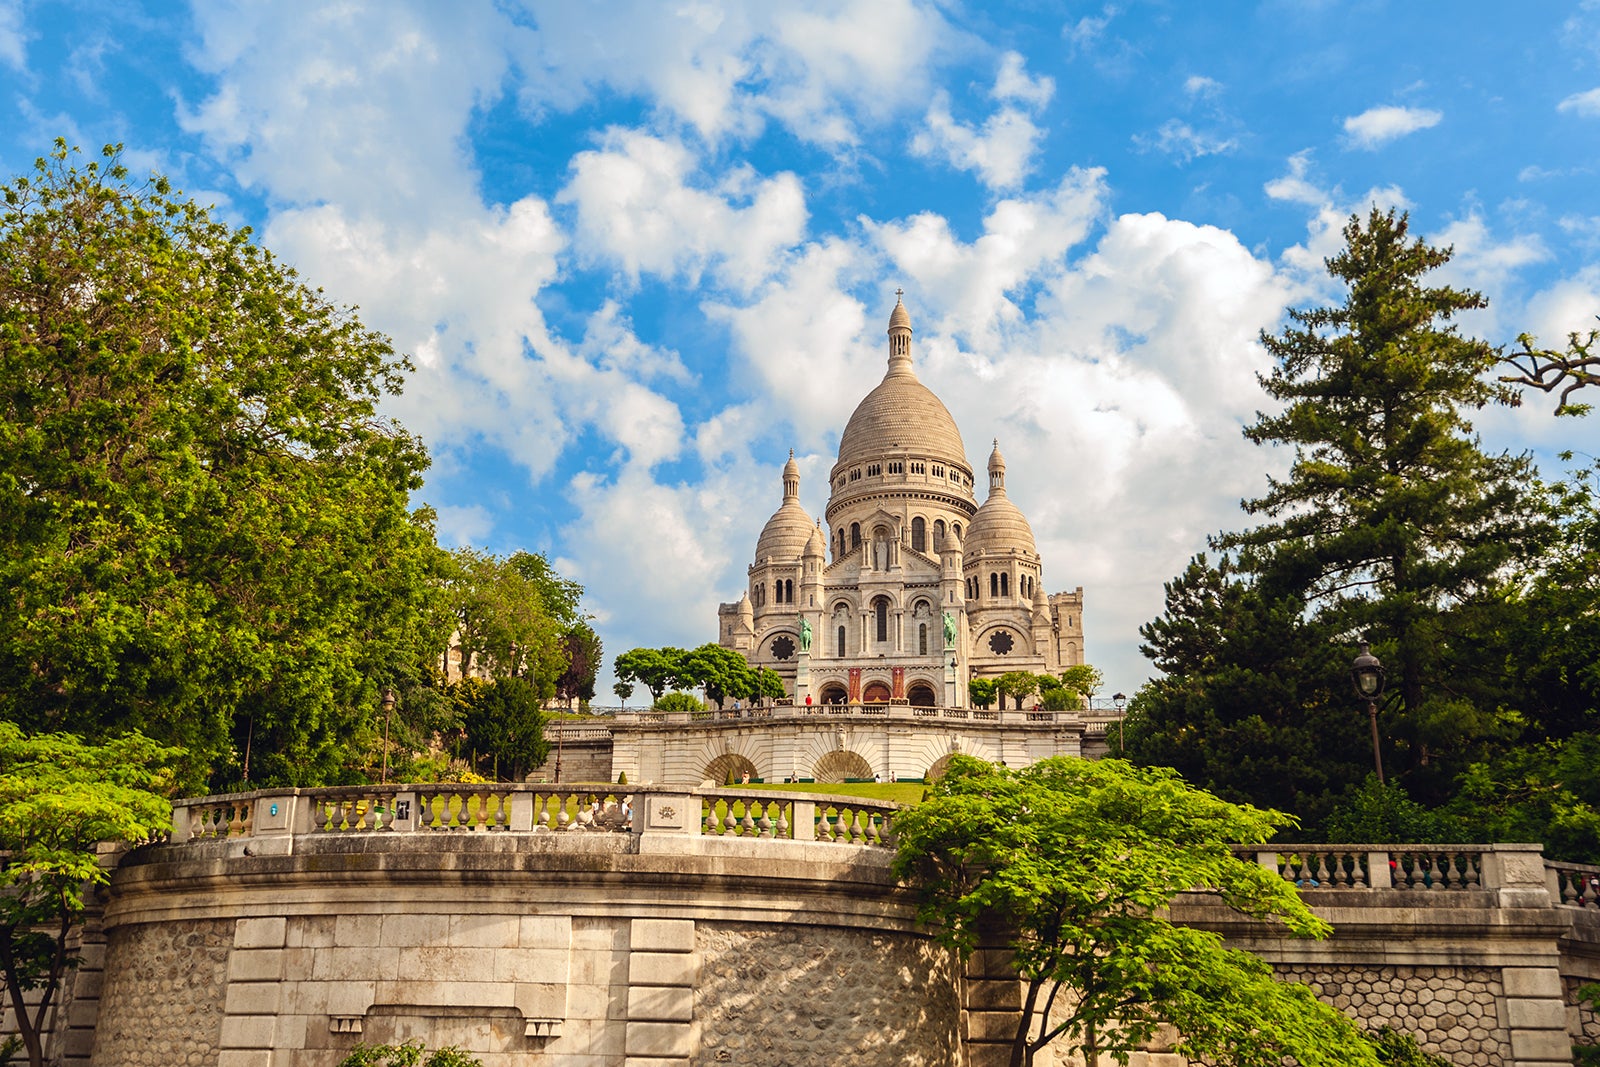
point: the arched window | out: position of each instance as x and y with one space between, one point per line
839 549
919 534
881 607
1005 584
788 590
955 528
922 639
994 584
938 535
841 642
855 534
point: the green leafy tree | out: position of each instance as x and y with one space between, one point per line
657 669
981 691
561 598
1080 861
1391 514
1083 680
501 623
624 690
1017 685
1548 370
60 799
205 529
504 727
679 702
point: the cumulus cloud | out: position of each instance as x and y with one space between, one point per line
461 526
1198 85
822 71
1002 151
639 208
1377 126
13 35
1585 104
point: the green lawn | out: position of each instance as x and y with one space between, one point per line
901 792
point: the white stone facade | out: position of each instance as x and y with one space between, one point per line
905 557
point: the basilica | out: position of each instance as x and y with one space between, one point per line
906 588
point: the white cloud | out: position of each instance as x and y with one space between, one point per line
1201 86
1566 307
1185 143
822 71
1379 125
13 35
1585 105
470 525
1480 260
1002 151
636 208
1089 29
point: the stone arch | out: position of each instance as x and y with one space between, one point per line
875 692
730 763
840 764
833 693
938 767
922 694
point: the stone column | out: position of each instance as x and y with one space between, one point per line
663 970
255 973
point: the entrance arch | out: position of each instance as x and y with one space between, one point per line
921 695
730 767
839 765
833 693
875 693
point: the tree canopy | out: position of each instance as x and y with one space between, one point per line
1078 861
205 528
60 799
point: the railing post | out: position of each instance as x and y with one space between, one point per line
404 817
1517 874
659 816
520 820
1379 874
1269 860
804 826
305 806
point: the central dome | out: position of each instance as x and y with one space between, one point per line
901 414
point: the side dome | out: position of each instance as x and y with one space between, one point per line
999 524
785 536
900 414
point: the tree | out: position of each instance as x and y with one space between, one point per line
59 800
1083 680
1080 860
981 691
1016 685
1548 370
205 528
501 623
408 1054
581 646
504 723
624 690
657 668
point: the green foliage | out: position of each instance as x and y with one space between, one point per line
410 1054
658 669
582 649
1396 1048
981 691
1382 813
679 702
504 727
624 690
723 673
502 625
205 531
1016 685
1545 792
622 777
60 799
1084 679
1078 861
1567 371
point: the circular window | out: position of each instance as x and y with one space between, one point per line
783 647
1000 643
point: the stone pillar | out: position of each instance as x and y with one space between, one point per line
663 970
802 673
991 997
255 973
1536 1015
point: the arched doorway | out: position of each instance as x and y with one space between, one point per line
839 766
730 767
833 693
921 695
940 765
875 693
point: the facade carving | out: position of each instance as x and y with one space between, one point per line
906 588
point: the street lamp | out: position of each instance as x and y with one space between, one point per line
1366 674
1120 702
388 712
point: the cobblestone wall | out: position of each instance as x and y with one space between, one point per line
166 981
1588 1020
779 997
1451 1011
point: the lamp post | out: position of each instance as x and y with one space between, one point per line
1366 673
388 712
1122 741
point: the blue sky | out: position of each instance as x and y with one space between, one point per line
640 250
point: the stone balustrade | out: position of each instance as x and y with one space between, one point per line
267 821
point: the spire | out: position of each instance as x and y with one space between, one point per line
899 338
791 479
997 471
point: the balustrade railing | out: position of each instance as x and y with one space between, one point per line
1577 884
529 808
1428 867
